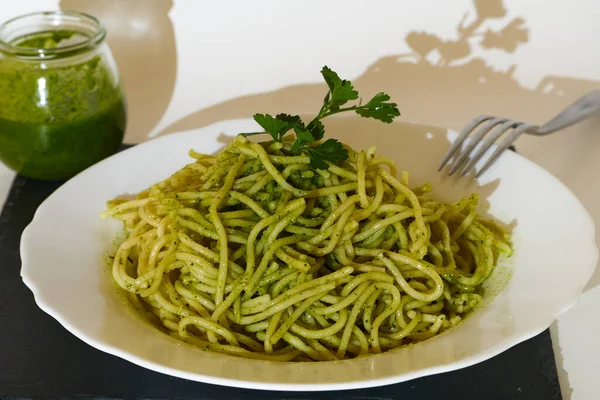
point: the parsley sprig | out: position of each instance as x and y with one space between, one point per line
340 93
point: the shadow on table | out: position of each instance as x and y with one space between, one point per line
142 40
440 82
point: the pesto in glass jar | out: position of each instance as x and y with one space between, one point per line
62 108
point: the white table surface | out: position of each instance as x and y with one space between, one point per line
192 63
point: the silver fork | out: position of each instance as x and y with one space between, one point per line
581 109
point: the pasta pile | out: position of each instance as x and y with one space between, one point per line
254 254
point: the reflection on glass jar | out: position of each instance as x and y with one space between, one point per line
62 108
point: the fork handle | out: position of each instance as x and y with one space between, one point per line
581 109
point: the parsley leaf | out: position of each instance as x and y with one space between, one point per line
303 137
277 126
271 125
331 150
293 120
341 90
379 108
316 129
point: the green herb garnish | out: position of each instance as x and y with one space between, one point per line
340 92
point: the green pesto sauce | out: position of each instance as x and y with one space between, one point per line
46 39
57 121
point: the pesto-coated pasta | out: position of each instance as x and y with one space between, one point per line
254 254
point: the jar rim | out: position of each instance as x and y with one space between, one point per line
93 38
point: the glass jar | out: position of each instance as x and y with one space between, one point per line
62 107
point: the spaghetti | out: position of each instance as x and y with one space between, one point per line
254 254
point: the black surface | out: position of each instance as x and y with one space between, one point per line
40 359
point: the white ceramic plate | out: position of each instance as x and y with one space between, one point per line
63 249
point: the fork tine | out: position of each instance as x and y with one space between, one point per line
461 138
476 138
504 145
496 133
